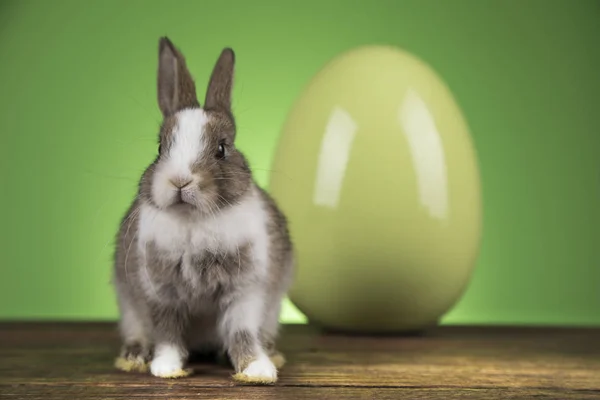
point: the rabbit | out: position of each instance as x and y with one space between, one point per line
203 255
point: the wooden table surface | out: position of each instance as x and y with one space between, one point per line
75 361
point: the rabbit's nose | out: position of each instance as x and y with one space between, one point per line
180 182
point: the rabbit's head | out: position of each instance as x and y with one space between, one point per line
198 168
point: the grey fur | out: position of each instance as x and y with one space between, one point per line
187 307
241 349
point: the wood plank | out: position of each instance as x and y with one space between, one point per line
181 392
68 359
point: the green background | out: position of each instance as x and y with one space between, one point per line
78 119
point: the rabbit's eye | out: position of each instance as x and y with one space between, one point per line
221 151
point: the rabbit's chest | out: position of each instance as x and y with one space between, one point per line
196 277
225 233
185 260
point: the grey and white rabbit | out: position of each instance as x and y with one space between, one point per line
204 256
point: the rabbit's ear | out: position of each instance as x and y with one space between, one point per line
176 88
218 94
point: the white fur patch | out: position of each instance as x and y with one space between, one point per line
167 361
189 141
261 369
246 314
189 145
227 231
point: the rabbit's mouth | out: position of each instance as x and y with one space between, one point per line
182 202
179 198
185 197
179 202
182 206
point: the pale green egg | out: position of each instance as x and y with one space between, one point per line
378 176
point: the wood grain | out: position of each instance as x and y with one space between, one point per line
69 360
56 392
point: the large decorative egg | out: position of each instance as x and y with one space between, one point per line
377 174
